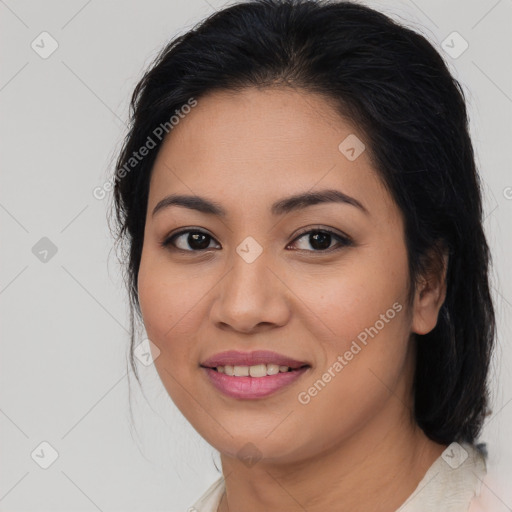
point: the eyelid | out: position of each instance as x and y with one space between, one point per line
324 229
167 241
343 239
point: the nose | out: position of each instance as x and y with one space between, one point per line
251 297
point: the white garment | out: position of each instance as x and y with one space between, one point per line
449 485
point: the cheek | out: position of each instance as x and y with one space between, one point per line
170 308
171 312
365 315
360 374
352 298
368 332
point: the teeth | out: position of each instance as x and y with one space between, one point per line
241 371
273 369
257 370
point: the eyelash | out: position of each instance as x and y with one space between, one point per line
343 240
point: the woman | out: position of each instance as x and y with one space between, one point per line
349 375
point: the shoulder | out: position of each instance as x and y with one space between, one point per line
451 483
494 493
209 501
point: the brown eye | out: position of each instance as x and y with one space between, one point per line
321 239
193 242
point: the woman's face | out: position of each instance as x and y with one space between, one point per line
265 276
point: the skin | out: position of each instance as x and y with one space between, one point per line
355 445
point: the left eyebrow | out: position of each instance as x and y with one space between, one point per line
287 205
300 201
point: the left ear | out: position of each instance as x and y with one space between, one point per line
430 291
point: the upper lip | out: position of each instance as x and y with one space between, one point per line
237 358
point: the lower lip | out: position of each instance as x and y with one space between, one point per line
252 387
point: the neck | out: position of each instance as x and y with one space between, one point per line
375 469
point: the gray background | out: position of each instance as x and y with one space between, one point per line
64 334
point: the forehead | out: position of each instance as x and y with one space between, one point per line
254 124
263 144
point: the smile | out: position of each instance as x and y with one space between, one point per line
252 375
252 387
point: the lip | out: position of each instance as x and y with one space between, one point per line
250 388
238 358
